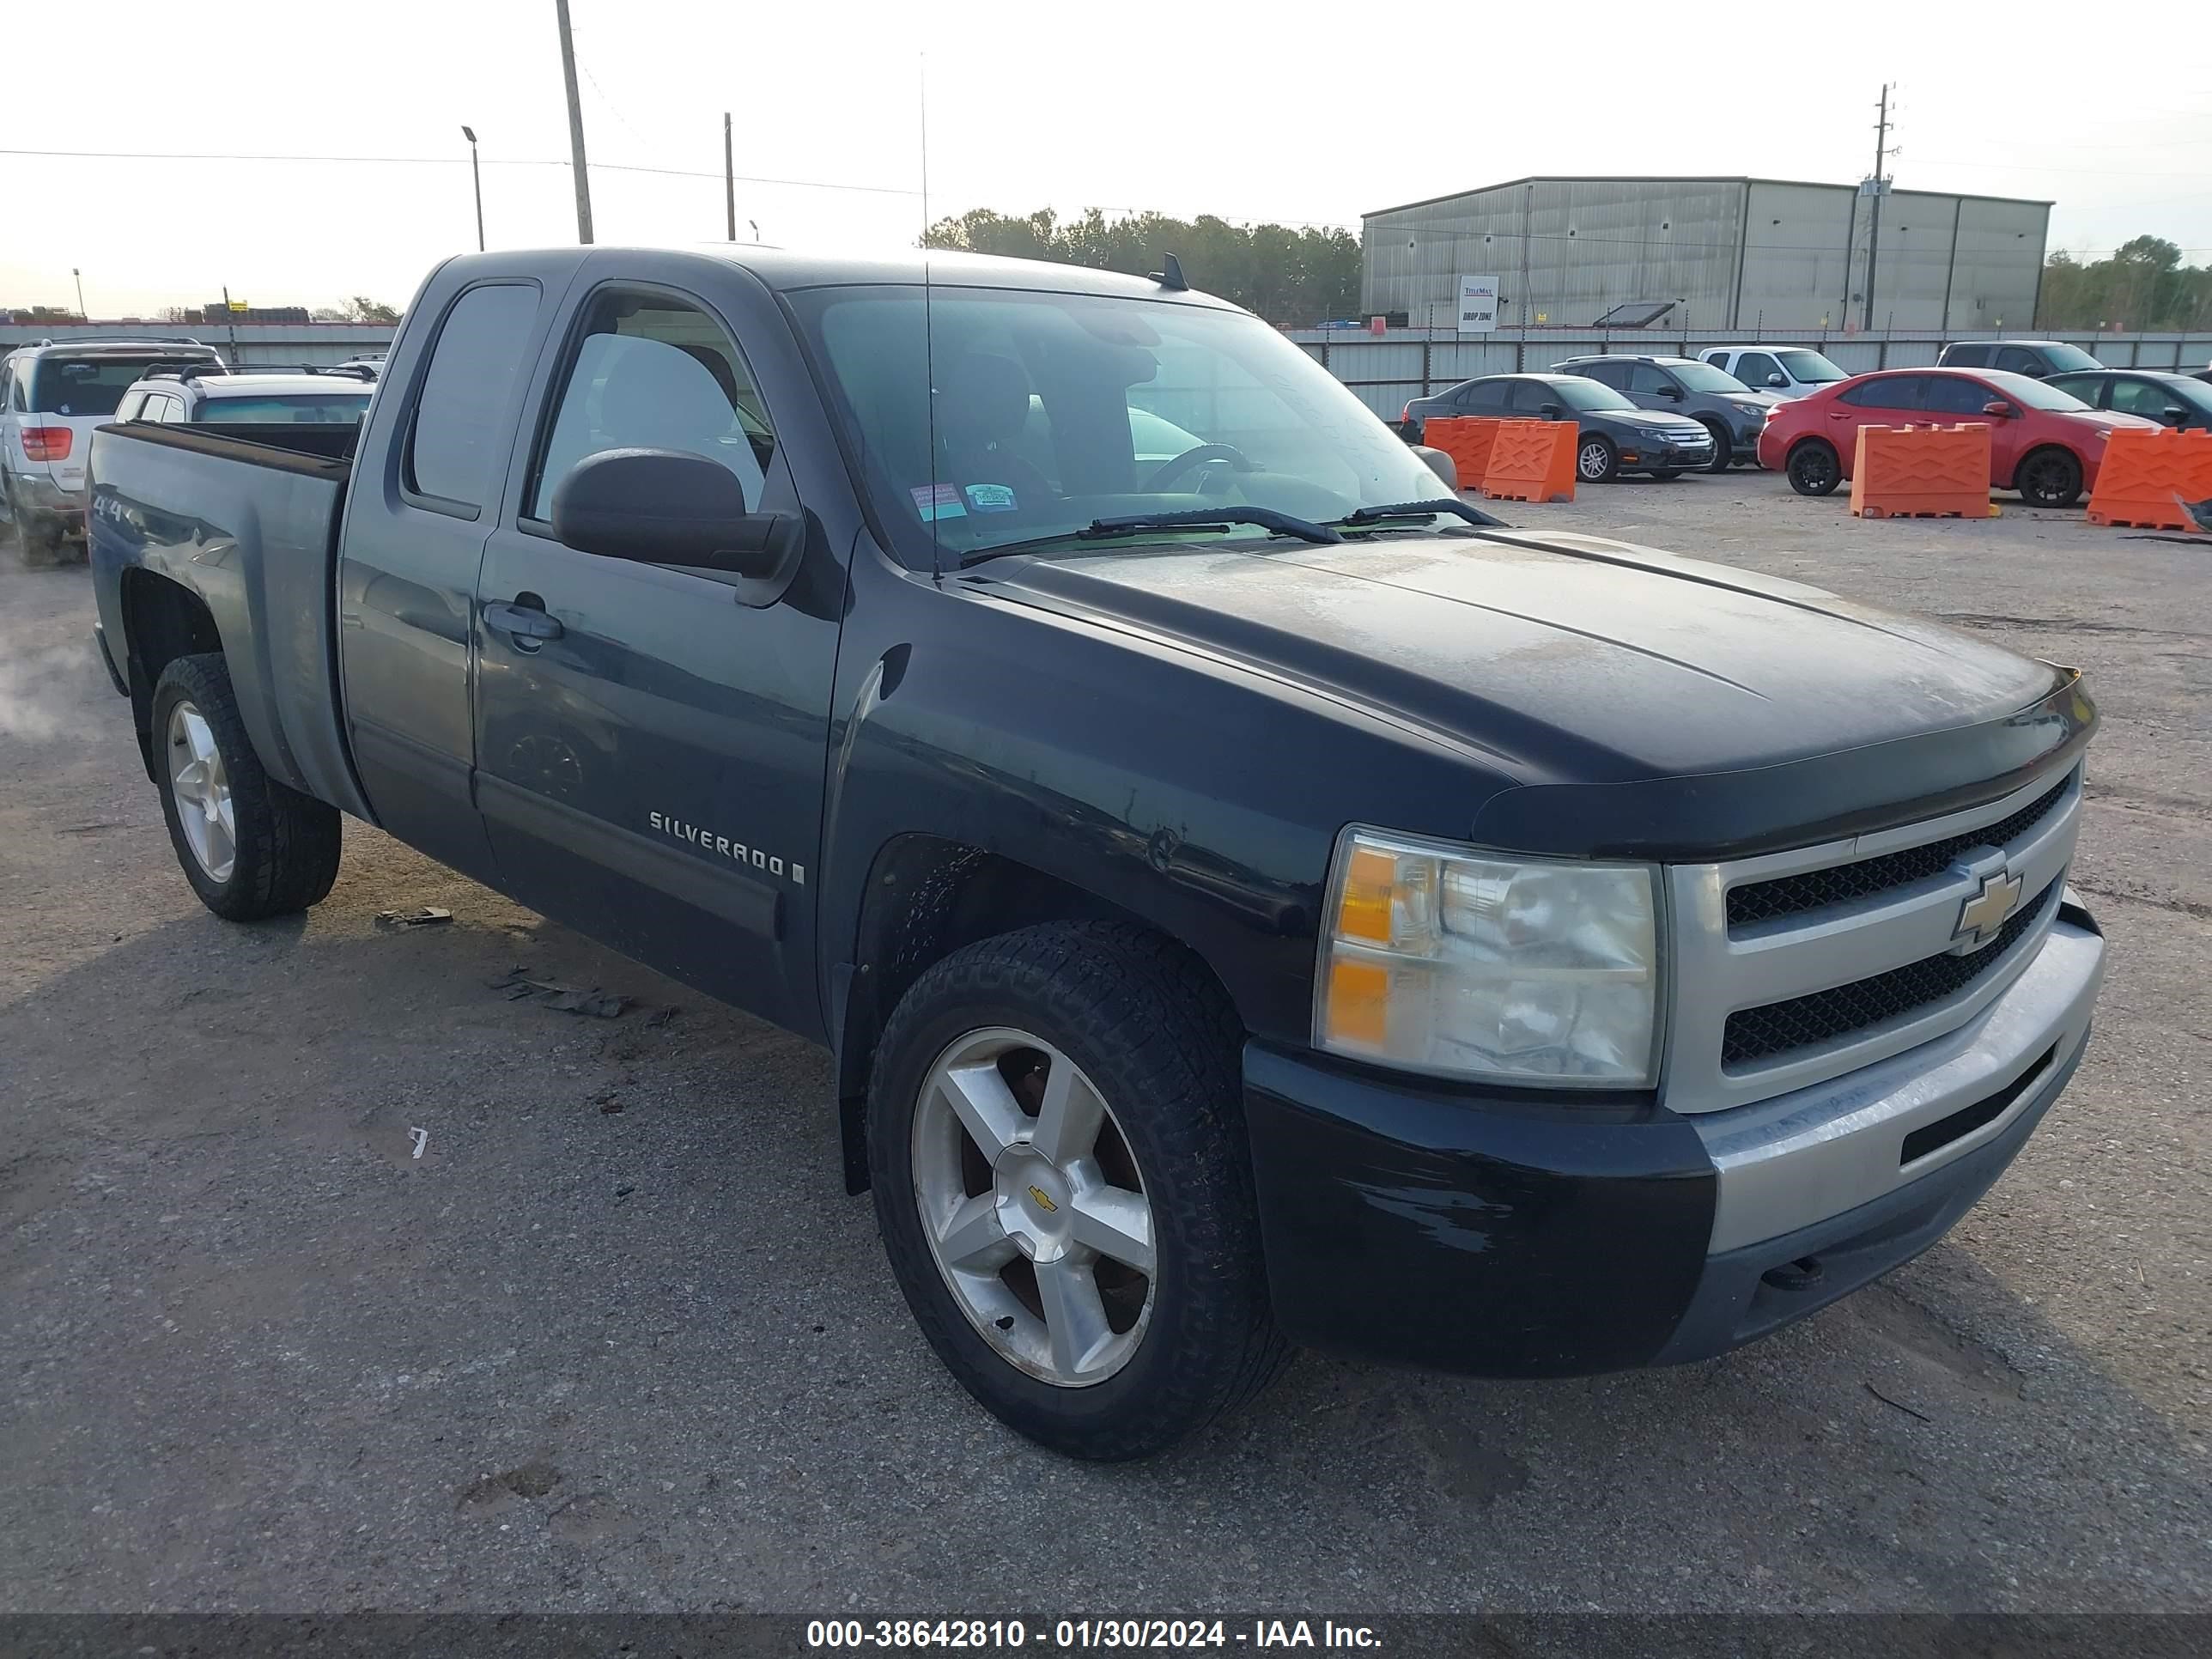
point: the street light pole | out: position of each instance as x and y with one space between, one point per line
575 126
476 175
87 315
729 177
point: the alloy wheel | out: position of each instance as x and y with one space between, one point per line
202 786
1034 1207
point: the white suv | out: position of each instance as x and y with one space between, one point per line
1785 371
50 397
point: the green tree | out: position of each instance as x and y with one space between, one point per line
2142 284
362 309
1293 277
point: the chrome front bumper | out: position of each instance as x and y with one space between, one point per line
1819 1151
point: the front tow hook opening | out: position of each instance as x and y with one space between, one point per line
1802 1274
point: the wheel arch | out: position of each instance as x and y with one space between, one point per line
162 620
2081 462
926 896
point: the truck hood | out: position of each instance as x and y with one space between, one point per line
1564 657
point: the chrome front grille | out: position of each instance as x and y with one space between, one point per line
1796 967
1864 879
1753 1034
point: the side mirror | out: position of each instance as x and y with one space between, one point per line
1549 411
1672 393
2000 408
2172 415
1777 379
1442 464
667 507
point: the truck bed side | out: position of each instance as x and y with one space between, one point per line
247 527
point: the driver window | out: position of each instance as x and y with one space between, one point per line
1757 366
653 372
1645 379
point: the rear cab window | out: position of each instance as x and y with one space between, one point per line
306 408
1967 356
464 418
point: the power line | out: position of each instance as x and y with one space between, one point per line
448 160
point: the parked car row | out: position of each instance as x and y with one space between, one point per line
1666 415
52 395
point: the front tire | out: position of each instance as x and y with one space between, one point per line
1724 447
1056 1146
2049 477
1596 461
1813 468
251 847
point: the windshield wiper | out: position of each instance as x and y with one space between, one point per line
1421 510
1207 518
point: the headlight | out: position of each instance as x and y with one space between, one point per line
1437 958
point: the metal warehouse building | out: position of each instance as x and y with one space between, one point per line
1732 253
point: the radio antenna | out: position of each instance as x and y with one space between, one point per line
929 334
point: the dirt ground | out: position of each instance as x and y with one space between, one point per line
617 1341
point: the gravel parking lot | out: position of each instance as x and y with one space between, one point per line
617 1341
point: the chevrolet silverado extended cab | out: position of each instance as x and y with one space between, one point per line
1250 898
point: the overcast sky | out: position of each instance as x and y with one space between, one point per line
1250 111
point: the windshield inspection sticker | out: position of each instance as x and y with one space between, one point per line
938 501
991 498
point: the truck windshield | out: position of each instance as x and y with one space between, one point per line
1051 412
1810 367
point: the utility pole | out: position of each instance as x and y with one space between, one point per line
576 127
81 311
1873 223
477 175
729 177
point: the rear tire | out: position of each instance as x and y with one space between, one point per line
1147 1039
251 847
1596 461
2049 477
1813 468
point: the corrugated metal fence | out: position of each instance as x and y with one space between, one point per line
1388 370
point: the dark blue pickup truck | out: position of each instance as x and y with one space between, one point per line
1252 898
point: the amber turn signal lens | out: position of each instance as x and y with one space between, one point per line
1359 1003
1363 912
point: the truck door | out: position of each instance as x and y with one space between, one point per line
650 749
413 539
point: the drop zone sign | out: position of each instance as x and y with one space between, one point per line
1478 304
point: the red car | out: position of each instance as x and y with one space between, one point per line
2043 442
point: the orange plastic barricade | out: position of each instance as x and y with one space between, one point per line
1922 472
1532 461
2146 477
1467 439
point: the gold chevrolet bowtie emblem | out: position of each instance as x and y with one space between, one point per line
1980 916
1044 1199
